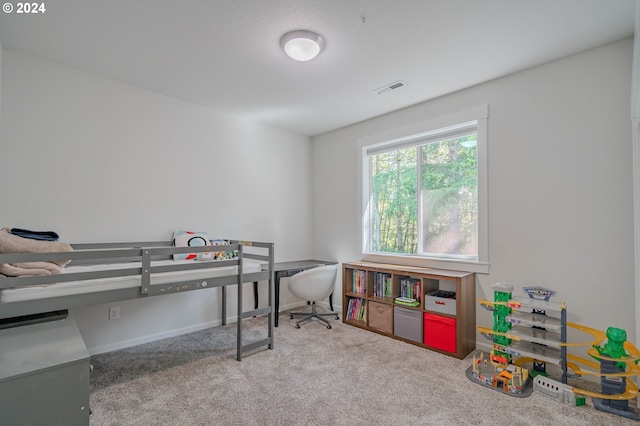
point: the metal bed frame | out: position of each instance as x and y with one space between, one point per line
145 252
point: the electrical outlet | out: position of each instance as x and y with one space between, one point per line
114 312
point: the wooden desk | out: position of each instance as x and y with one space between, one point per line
288 269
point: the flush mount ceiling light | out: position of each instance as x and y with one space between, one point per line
302 45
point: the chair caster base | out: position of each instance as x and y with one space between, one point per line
313 316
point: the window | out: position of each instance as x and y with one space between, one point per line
424 192
425 198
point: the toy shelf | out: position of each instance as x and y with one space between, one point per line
536 351
527 304
534 335
531 319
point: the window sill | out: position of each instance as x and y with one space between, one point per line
429 262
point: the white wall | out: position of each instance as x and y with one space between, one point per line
635 122
98 161
560 183
0 88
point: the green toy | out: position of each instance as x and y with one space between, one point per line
614 348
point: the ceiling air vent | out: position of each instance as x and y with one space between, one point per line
393 86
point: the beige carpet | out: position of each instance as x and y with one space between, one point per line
314 376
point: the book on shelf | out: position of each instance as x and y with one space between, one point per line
406 301
411 289
359 281
357 309
382 284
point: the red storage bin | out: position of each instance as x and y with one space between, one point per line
440 332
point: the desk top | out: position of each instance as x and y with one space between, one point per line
300 264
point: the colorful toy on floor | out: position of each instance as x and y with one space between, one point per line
523 333
497 374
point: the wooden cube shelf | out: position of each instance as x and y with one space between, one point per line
369 290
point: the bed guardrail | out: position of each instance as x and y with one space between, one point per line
145 253
92 256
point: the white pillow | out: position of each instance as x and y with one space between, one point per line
189 239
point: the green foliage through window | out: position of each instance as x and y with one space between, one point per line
425 199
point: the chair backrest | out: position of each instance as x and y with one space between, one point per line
314 284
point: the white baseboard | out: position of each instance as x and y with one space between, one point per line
184 330
156 336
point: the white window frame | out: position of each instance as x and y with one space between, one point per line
403 136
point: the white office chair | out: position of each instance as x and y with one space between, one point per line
313 285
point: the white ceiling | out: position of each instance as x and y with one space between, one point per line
225 54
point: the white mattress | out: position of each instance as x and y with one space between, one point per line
102 284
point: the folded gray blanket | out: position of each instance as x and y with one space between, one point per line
10 243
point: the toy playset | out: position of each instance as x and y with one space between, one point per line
533 330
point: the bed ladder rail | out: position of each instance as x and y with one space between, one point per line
268 341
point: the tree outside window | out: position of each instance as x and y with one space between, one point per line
425 199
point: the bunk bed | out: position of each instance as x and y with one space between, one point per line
111 272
